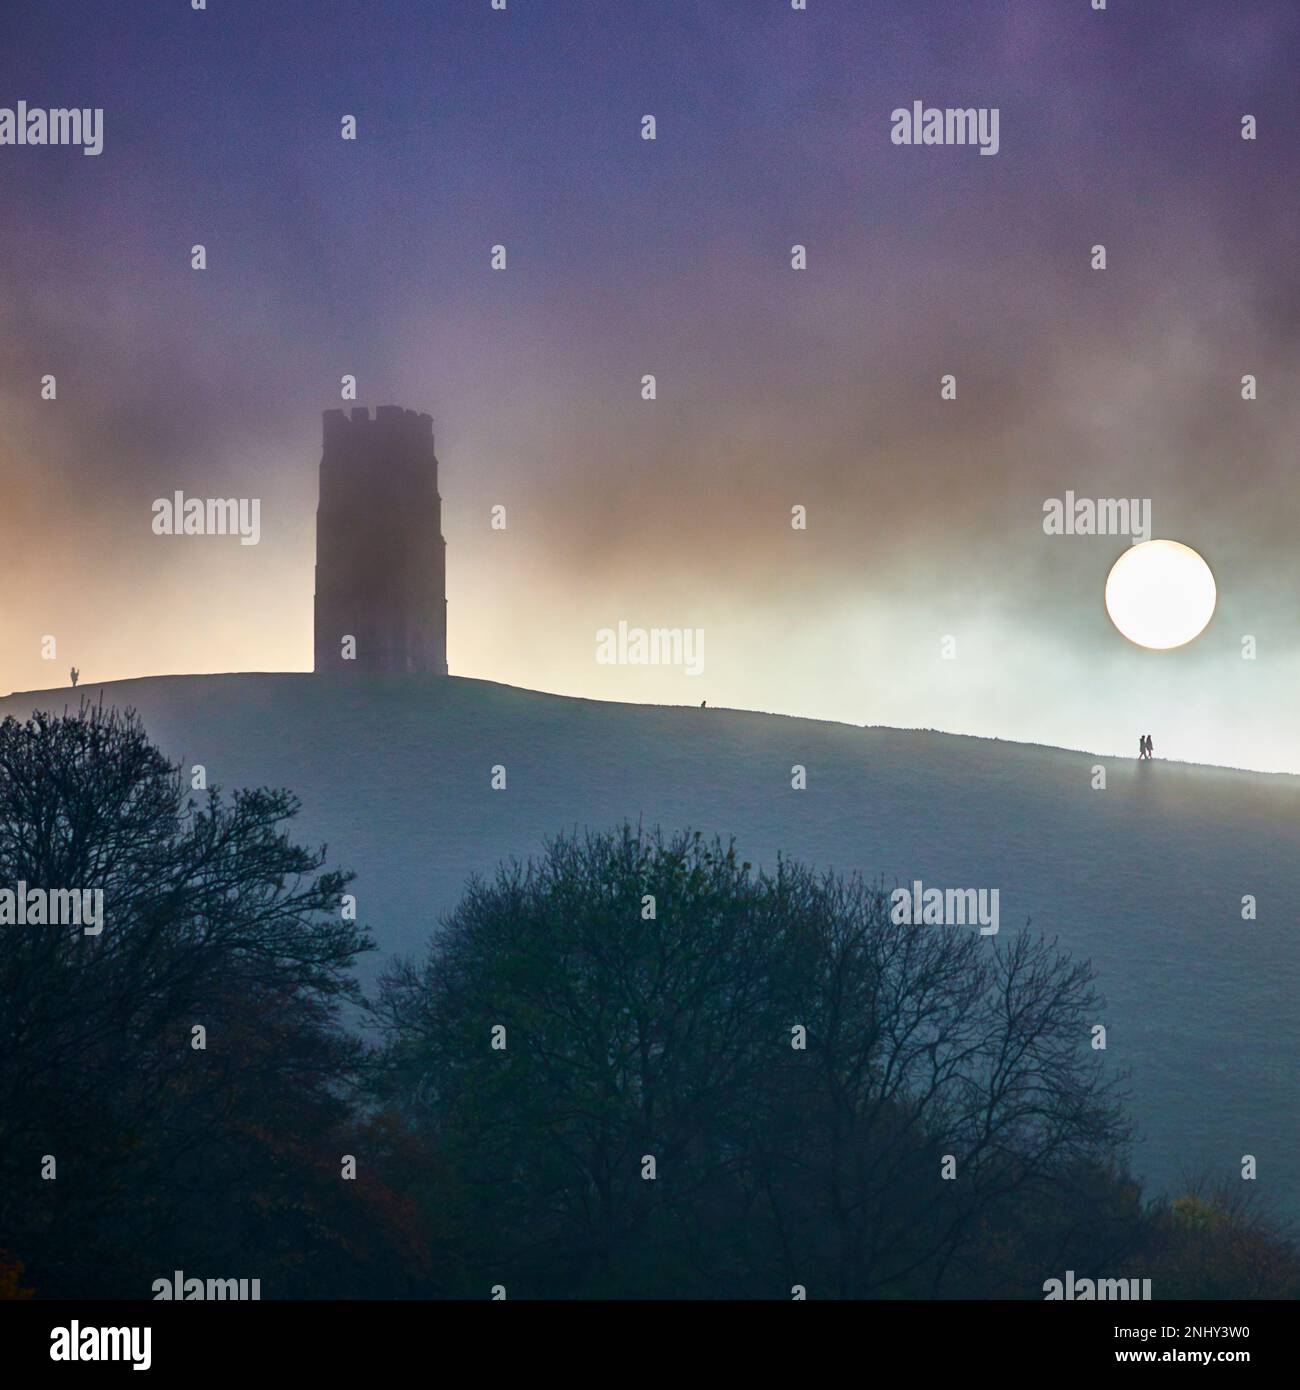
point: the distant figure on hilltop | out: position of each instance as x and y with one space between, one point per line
1151 748
1144 746
76 676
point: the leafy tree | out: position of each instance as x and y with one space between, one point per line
1218 1240
623 1035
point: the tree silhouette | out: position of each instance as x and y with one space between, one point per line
779 1159
212 919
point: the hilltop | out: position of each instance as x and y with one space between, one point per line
1146 877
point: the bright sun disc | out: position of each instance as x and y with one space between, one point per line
1160 594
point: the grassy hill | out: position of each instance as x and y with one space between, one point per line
1145 877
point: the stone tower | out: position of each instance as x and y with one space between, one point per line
381 561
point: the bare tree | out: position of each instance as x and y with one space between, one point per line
944 1070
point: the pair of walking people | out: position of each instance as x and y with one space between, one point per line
1144 746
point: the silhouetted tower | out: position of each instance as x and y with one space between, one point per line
381 561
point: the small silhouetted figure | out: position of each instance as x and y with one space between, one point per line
1151 748
75 674
703 703
1142 746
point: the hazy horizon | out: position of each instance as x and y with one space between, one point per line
1115 753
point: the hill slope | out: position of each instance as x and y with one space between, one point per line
1145 877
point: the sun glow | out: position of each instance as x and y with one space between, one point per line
1160 594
